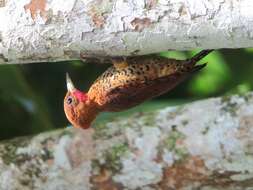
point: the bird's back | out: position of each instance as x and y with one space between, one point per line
136 79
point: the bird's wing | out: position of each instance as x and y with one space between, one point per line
133 93
115 90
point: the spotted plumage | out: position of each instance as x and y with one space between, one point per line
129 82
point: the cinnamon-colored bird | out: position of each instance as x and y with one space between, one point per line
126 84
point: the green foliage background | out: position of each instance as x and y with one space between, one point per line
31 95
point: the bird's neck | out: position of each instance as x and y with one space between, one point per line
89 111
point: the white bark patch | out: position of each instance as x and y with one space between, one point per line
7 180
60 155
140 169
61 6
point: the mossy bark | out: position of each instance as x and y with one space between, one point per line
203 145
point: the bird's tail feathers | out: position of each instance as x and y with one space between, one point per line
198 56
198 67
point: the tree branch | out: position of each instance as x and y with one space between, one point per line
205 144
40 30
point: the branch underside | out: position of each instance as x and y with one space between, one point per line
41 31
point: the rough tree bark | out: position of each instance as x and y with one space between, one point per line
53 30
203 145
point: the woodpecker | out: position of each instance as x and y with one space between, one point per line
127 83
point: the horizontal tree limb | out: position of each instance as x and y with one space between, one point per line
203 145
41 30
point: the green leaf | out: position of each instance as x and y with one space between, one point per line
174 54
250 50
240 89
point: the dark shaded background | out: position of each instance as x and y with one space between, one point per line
31 95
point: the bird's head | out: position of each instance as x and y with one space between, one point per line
79 109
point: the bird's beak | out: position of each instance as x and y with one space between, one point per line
69 83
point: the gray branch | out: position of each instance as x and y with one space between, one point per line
40 31
203 145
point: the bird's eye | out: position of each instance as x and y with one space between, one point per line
69 100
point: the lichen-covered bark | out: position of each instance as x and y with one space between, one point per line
42 30
203 145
